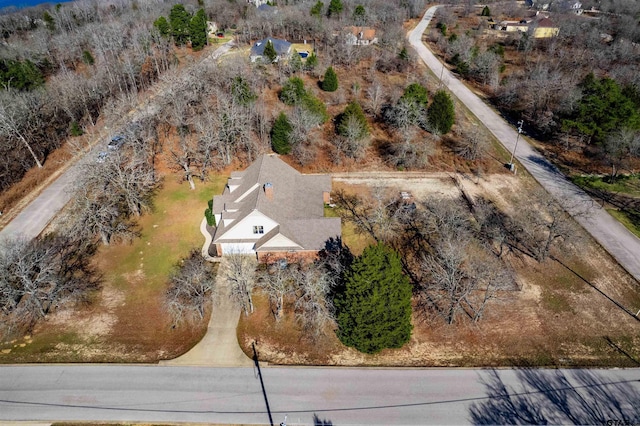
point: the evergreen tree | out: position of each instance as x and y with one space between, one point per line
441 114
316 107
49 22
486 11
241 91
330 81
198 30
416 93
602 108
335 8
316 9
179 20
311 62
295 62
353 114
87 57
404 55
163 27
280 133
359 15
293 91
373 308
20 75
270 52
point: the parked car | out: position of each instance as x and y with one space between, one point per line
102 156
116 142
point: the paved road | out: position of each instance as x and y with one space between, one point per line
35 217
614 237
339 396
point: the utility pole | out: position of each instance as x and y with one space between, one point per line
511 165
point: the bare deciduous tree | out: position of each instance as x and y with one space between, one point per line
239 271
190 289
41 275
276 281
314 308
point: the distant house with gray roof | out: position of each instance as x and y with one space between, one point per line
282 47
271 209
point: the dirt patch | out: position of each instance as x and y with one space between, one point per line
555 317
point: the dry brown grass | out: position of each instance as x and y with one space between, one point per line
557 318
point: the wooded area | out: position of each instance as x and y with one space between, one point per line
344 107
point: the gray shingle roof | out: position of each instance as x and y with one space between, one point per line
282 46
296 203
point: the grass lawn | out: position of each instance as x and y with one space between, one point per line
356 241
126 323
631 220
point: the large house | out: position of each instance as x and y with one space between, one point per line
282 47
360 36
271 209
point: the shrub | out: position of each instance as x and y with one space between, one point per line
330 81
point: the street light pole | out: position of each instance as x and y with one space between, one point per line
511 166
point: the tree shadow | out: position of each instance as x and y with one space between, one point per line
615 302
562 397
317 421
545 164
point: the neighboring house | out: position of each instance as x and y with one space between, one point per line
544 28
265 9
258 3
283 48
361 36
539 28
270 209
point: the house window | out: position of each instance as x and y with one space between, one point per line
258 230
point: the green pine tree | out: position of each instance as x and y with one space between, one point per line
330 81
293 91
198 30
49 22
373 308
353 114
441 113
179 20
417 93
486 11
603 107
270 52
359 15
241 91
311 62
335 8
280 134
163 27
316 9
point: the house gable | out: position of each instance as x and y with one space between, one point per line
271 206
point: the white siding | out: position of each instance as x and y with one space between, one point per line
279 241
237 248
243 230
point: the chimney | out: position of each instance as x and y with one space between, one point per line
268 190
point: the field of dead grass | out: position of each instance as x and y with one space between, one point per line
563 314
126 321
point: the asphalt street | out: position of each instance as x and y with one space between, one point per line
614 237
337 396
35 217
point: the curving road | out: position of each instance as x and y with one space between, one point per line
318 395
614 237
35 217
